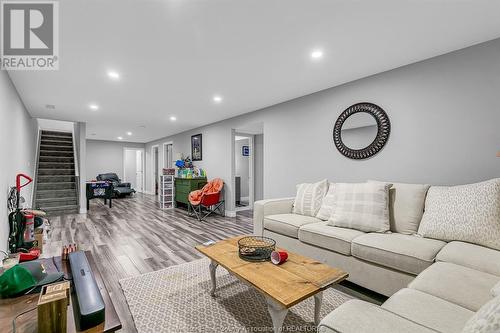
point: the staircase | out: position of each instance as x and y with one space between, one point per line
56 182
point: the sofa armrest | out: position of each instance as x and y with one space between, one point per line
263 208
356 316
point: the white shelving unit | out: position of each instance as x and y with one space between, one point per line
167 191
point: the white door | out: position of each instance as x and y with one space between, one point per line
133 168
130 167
139 170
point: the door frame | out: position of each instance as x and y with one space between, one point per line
251 177
163 152
143 165
153 167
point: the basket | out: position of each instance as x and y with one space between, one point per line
256 248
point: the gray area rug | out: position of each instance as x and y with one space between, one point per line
177 299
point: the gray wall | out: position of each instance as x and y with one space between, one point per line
445 128
106 156
258 161
17 148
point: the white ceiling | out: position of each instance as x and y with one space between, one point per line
175 55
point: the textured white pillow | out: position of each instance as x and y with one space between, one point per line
325 210
362 207
406 206
468 213
486 320
495 291
309 197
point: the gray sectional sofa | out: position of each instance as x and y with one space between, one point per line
433 285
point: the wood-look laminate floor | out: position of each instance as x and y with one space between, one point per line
135 237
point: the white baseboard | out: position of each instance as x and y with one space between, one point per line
240 209
83 210
230 213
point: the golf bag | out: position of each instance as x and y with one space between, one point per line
17 220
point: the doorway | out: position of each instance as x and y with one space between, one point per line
247 152
243 171
155 166
133 167
168 159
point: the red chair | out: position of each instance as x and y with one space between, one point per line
208 200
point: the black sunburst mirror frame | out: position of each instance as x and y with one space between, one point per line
383 131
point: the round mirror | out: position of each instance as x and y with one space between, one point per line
361 131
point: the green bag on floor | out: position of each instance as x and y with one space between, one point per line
26 277
15 280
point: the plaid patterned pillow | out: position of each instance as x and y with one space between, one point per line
363 207
309 197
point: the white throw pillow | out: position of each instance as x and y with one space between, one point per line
309 197
468 213
362 207
486 320
495 291
325 210
406 206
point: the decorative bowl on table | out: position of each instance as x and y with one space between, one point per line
256 248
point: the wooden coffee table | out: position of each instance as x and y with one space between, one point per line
282 285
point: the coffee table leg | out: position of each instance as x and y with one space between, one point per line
213 266
318 299
278 314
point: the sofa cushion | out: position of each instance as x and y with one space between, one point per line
287 224
309 197
357 316
406 253
363 207
468 213
470 255
486 320
332 238
428 310
406 206
325 211
461 285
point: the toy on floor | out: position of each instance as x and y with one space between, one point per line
67 249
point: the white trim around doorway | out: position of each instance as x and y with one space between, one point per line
153 166
143 166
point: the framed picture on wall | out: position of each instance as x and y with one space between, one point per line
196 148
245 150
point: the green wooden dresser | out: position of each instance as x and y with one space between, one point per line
184 186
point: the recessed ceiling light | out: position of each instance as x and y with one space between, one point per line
129 133
317 54
94 107
114 75
50 106
173 118
217 99
120 138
